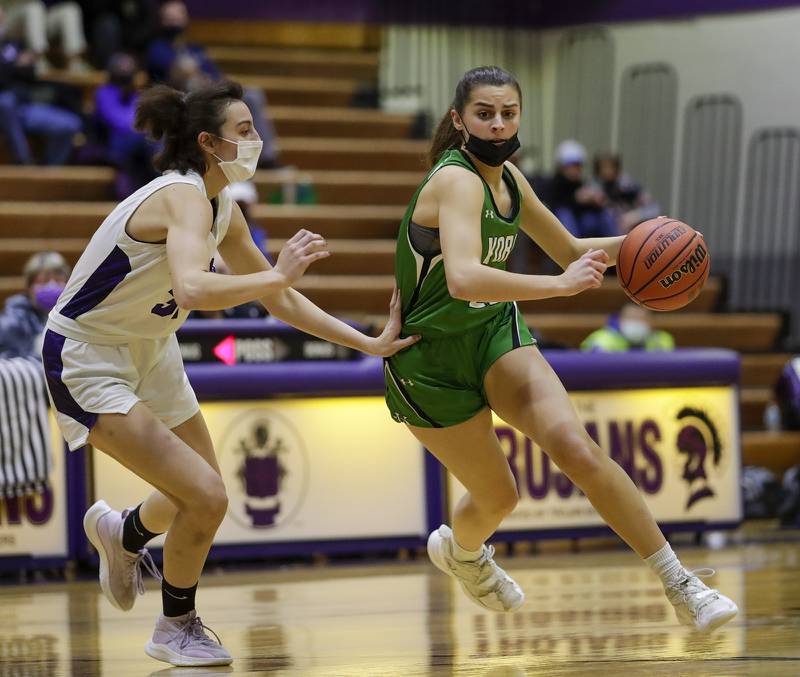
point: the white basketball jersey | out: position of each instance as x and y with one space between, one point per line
121 288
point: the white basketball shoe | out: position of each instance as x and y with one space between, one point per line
485 583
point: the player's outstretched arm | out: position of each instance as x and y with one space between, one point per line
549 233
460 197
244 258
188 218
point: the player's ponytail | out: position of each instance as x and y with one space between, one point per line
446 135
177 118
445 138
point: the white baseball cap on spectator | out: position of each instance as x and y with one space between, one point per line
570 152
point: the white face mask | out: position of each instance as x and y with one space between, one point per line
635 331
244 166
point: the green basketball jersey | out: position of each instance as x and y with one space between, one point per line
428 308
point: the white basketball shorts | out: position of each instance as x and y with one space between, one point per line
87 379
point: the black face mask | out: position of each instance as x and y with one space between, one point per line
490 153
172 32
123 80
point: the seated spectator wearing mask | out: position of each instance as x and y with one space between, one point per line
23 318
580 206
115 107
630 329
628 201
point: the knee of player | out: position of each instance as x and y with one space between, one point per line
502 500
578 456
510 499
210 500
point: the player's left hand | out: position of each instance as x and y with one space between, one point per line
389 342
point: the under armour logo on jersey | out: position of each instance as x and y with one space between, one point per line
489 214
407 382
397 416
499 248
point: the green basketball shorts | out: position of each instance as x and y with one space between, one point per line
438 382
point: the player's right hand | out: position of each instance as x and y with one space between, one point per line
585 272
299 253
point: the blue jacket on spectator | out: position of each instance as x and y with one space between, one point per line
162 52
21 325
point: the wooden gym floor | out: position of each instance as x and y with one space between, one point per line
587 613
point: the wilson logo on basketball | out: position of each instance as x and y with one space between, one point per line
664 243
688 267
663 264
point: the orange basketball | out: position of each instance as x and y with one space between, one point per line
663 264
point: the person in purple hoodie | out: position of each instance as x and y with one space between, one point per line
115 106
23 318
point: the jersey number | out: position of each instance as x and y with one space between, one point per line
166 309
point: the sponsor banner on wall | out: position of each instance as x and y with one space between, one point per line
36 524
680 446
296 470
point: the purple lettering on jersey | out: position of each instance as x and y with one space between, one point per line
100 284
166 309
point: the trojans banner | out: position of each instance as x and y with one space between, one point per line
680 446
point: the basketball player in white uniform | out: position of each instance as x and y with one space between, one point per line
112 362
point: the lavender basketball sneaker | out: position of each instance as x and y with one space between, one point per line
120 570
485 583
182 641
697 605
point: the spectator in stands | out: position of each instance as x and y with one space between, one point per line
35 23
131 152
186 75
20 115
245 195
172 43
627 200
578 205
630 329
23 318
116 26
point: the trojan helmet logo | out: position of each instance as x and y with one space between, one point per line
698 440
265 468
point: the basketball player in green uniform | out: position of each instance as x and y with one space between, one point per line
476 354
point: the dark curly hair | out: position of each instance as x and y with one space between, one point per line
164 112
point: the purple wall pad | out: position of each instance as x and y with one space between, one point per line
515 13
577 370
265 327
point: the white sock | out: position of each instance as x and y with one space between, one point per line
463 555
665 564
